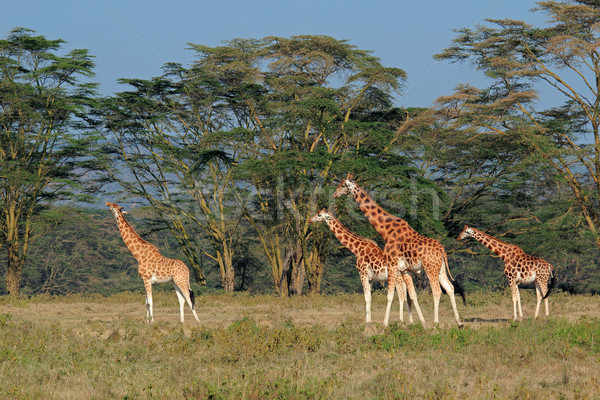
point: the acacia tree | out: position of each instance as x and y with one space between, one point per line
519 59
41 156
166 134
272 121
315 86
308 107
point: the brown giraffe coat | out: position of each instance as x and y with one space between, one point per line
154 267
370 262
406 249
519 267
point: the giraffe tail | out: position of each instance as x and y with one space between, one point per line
192 298
458 288
552 283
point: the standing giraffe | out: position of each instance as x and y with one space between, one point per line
370 262
406 250
154 267
519 267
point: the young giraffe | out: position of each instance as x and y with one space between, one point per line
406 250
154 267
370 262
519 267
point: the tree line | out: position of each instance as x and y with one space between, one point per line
234 153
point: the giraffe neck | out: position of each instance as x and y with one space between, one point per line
495 245
350 240
132 240
376 215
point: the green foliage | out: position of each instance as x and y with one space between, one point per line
44 152
236 151
520 59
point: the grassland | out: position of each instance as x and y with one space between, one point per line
264 347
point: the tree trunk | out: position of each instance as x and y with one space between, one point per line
13 271
314 267
292 271
227 272
282 284
295 270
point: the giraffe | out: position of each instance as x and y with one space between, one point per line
370 262
154 267
519 267
406 250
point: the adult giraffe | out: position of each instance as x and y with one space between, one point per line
370 262
406 250
519 267
154 267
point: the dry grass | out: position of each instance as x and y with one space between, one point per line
255 347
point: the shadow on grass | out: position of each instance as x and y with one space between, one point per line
477 319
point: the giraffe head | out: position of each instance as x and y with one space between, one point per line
115 209
322 215
466 232
346 186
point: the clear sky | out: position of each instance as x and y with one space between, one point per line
133 38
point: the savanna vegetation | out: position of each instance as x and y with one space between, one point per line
222 162
304 347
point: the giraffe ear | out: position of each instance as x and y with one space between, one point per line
123 211
350 177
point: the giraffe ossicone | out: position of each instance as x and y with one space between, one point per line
519 267
153 267
370 263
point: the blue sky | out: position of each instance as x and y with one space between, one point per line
133 38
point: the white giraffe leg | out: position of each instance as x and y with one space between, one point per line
367 293
434 283
538 294
519 304
149 314
181 299
514 290
449 288
546 304
413 295
436 307
192 307
402 297
400 301
390 299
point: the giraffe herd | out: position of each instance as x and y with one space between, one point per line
405 252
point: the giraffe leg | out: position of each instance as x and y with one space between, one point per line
403 285
516 299
390 297
148 287
519 304
434 283
183 294
396 281
181 299
449 288
402 297
413 295
367 292
539 296
544 289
